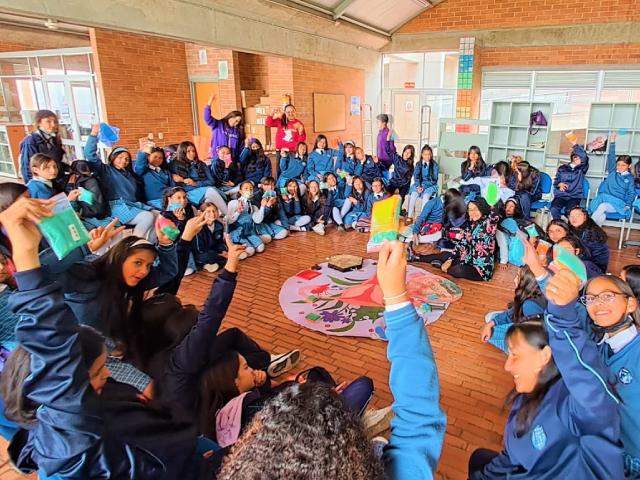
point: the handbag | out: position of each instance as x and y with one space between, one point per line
537 119
597 145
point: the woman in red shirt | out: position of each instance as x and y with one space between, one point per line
290 129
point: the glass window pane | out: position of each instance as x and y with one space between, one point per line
76 64
83 103
10 102
450 75
620 95
403 68
501 94
51 65
26 94
14 66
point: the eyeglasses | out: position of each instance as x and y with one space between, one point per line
605 297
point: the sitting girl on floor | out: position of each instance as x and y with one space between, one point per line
557 230
240 219
428 226
270 211
226 173
336 195
371 166
359 202
592 236
525 181
254 164
500 172
528 304
574 245
209 243
293 217
323 159
455 218
425 181
152 168
316 205
293 165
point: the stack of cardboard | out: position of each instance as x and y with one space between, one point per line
256 109
250 97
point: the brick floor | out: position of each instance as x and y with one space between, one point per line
473 383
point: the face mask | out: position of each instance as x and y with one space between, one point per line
247 195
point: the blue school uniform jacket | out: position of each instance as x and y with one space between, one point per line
209 243
41 188
418 427
222 173
40 142
576 431
351 165
321 162
254 169
598 251
78 434
196 171
155 180
530 308
336 195
572 176
364 204
617 184
432 212
290 209
371 169
292 166
624 368
402 170
421 177
467 173
116 184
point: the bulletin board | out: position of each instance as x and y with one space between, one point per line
329 112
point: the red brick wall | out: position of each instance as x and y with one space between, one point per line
254 71
144 85
313 77
280 80
229 89
460 15
13 47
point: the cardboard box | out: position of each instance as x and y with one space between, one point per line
260 132
250 97
256 115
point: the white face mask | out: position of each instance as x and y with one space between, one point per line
622 339
247 195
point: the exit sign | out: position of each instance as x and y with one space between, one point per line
409 84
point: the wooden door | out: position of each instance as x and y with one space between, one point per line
202 91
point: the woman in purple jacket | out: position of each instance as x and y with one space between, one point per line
226 132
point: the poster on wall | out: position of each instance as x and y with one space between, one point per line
408 106
223 70
355 105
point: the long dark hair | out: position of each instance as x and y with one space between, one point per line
318 138
358 195
413 153
632 274
284 121
625 288
121 304
560 223
167 193
576 243
454 206
503 169
297 187
432 162
536 336
182 160
482 205
308 199
524 184
481 165
9 193
257 158
589 230
517 214
217 387
229 116
19 408
527 289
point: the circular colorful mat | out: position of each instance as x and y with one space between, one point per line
350 303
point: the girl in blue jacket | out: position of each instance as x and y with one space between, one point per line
192 174
474 165
564 420
241 221
270 211
592 236
120 187
294 165
323 159
525 181
226 173
254 164
359 200
371 167
209 243
616 192
293 216
336 198
567 186
400 180
152 168
425 180
428 226
613 310
417 429
349 164
528 304
80 423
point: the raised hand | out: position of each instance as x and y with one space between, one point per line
193 227
392 272
100 236
233 254
563 288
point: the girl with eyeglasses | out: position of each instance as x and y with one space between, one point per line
613 309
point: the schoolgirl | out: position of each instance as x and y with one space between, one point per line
120 187
359 199
425 180
371 166
293 216
574 245
192 174
557 230
336 198
152 168
592 236
226 173
323 159
631 275
400 180
428 226
226 132
209 242
316 205
240 219
254 164
454 220
293 165
46 140
528 303
525 181
567 186
349 164
474 165
513 221
616 192
270 212
478 185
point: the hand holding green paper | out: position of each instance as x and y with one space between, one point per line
493 194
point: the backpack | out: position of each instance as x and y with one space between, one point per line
537 119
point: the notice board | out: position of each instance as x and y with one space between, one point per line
329 112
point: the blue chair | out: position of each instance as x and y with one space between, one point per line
586 192
622 218
546 184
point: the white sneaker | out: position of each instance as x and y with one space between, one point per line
211 267
281 364
319 229
376 421
189 271
243 256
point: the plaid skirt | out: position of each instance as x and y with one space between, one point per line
125 211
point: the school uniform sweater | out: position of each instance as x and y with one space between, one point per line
402 170
371 169
196 171
41 188
292 166
468 173
79 434
209 244
624 368
336 195
572 176
432 212
617 184
154 179
364 204
576 431
40 142
116 184
418 427
222 173
254 167
322 162
422 178
530 308
291 209
99 208
351 166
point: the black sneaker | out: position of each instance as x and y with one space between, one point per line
436 263
411 256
